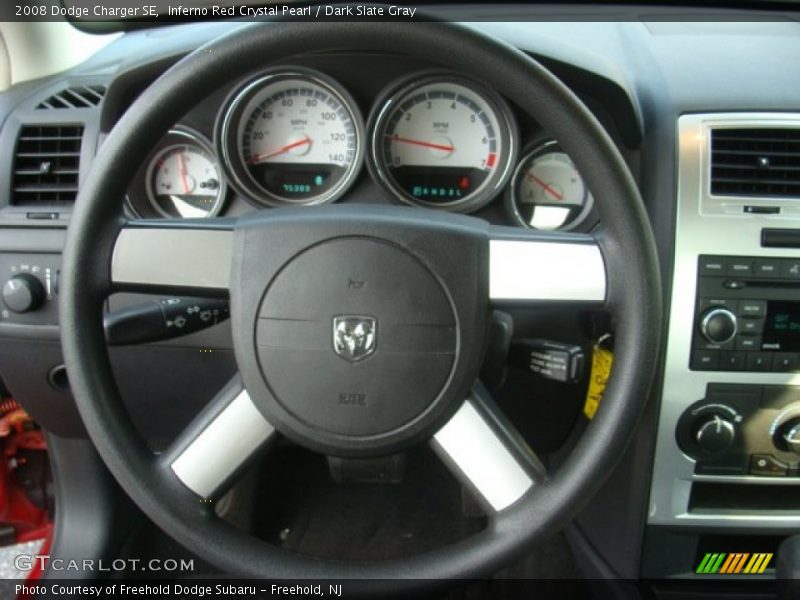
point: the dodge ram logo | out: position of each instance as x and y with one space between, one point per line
354 337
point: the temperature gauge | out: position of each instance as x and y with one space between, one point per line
183 180
547 191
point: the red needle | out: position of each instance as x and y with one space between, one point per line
397 138
182 166
281 150
544 186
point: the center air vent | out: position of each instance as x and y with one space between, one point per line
46 165
755 162
79 96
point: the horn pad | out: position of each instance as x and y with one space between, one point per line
355 341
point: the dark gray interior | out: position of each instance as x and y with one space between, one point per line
641 72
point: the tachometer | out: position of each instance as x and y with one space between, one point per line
443 142
292 137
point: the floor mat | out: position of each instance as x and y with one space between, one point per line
302 509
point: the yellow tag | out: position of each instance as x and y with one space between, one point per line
602 360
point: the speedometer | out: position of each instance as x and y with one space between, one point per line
292 137
443 142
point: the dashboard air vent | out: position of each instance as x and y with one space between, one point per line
755 162
79 96
46 165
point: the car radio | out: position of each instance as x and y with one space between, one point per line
747 314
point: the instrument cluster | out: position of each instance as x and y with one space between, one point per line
295 136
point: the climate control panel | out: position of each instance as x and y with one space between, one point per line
742 429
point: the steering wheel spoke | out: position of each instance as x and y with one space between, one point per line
487 454
219 442
545 267
191 256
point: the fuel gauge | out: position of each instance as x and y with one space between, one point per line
547 192
183 179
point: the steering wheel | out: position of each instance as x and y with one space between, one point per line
416 327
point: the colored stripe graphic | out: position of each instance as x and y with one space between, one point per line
701 568
734 563
729 562
711 563
758 564
740 564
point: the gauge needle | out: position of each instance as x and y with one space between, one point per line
282 150
544 186
182 167
443 147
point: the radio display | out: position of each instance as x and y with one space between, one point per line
782 327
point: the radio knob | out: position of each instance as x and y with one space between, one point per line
718 325
23 293
785 429
715 434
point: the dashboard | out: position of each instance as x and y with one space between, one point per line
711 464
309 133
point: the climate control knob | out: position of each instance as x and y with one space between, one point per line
714 434
785 429
23 293
718 325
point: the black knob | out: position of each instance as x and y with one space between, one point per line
23 293
785 429
715 434
718 325
792 439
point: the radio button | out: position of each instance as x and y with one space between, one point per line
739 267
758 361
767 268
705 360
751 326
712 265
734 284
732 361
748 342
790 268
706 303
752 309
784 361
766 464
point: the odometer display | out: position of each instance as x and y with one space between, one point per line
292 138
443 142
